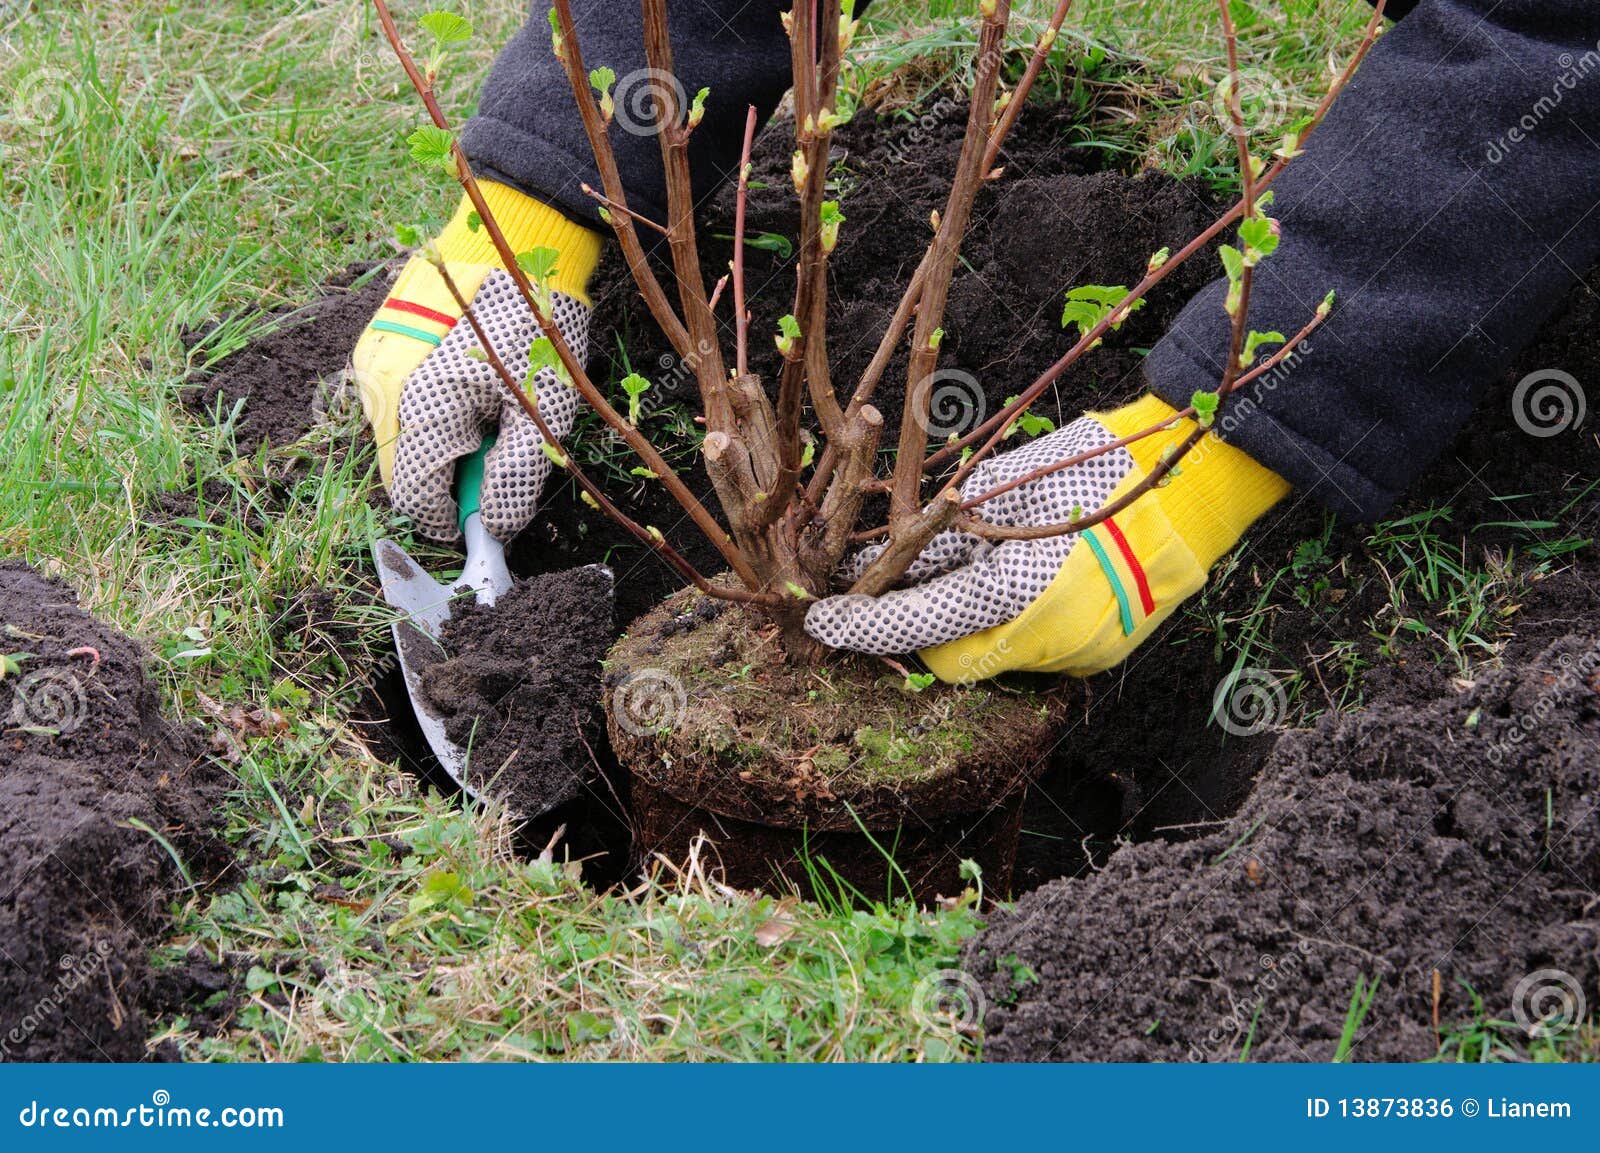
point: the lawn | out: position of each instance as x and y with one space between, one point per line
169 167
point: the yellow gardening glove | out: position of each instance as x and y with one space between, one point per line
429 400
1077 603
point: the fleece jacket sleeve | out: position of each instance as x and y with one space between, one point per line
1450 199
527 132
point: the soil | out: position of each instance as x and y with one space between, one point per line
1456 837
92 780
520 687
723 737
284 379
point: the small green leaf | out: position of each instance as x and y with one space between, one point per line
1158 260
1326 306
916 682
556 44
408 235
589 500
1028 423
635 386
642 472
832 218
557 457
539 263
431 146
474 221
1205 407
788 333
796 591
697 107
1089 305
1232 261
1260 238
447 29
602 79
1254 341
808 453
770 242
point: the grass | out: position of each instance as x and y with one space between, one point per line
166 166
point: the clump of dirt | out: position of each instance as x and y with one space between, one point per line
288 376
1456 836
520 686
721 734
92 782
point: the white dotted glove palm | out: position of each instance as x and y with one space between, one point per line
961 583
450 400
1078 602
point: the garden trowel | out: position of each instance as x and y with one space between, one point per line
426 605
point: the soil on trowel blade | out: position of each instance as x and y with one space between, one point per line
520 686
1456 837
92 781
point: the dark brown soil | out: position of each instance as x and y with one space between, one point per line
520 688
1390 844
286 377
721 736
86 760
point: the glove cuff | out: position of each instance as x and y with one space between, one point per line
1216 492
527 224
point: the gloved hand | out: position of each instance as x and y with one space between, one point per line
1076 603
429 402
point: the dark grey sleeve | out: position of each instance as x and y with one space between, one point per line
527 132
1451 198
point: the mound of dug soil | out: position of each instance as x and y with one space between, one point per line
90 777
520 687
280 378
1459 836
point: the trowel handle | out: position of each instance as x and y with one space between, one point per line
469 482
